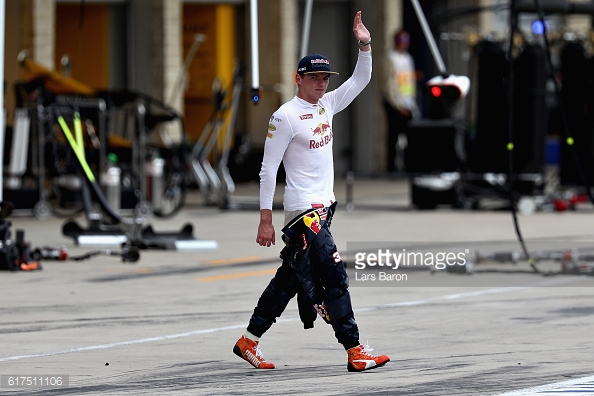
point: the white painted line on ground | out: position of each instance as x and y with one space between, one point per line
116 344
240 326
475 293
583 386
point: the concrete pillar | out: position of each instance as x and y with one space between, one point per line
166 47
391 21
172 51
43 13
166 59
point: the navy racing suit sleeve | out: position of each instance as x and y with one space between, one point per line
300 235
320 270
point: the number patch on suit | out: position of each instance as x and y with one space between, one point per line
337 258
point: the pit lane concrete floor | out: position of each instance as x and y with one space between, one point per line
167 323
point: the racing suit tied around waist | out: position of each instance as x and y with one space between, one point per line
300 237
312 270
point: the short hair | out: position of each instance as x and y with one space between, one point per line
401 36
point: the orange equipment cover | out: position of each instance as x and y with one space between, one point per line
54 81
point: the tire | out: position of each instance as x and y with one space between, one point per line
174 197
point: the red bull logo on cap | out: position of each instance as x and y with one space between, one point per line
314 63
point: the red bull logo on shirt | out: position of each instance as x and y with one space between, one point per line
312 221
321 129
322 141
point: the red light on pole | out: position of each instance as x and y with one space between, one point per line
436 92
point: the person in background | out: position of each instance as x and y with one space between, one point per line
399 94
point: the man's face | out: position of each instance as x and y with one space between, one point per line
312 86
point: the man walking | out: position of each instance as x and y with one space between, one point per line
300 135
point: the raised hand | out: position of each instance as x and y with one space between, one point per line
359 29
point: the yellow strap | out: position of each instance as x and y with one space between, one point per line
78 133
78 150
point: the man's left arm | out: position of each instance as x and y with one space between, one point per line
361 33
341 97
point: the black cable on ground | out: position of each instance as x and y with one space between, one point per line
510 144
130 254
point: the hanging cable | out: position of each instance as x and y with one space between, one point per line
510 143
89 178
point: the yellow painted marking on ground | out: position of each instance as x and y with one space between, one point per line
245 259
236 275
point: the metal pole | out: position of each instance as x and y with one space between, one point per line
306 28
254 33
2 112
181 81
429 37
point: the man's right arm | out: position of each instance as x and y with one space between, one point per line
277 140
265 229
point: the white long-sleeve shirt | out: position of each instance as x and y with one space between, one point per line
300 135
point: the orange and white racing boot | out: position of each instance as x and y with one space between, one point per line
250 351
360 359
